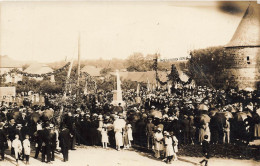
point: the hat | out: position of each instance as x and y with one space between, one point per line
100 117
165 116
153 107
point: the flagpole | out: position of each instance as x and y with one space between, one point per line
78 92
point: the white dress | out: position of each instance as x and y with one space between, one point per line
104 136
158 141
119 138
175 147
130 135
26 147
17 145
119 124
169 148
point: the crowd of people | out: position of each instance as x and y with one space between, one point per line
159 121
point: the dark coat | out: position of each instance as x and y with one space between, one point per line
64 138
3 139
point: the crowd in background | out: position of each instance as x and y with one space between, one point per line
158 120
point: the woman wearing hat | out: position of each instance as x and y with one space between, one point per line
158 143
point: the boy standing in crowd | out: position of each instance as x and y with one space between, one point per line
205 150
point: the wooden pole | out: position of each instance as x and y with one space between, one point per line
78 89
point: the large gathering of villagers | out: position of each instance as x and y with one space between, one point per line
158 120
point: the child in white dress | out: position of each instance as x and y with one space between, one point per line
27 148
130 134
175 145
17 145
169 152
104 136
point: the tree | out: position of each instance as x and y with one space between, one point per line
135 62
105 71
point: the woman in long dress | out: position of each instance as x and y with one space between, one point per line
118 124
158 145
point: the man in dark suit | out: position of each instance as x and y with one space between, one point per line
64 138
185 129
52 141
46 144
11 132
3 142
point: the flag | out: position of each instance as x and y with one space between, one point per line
138 89
169 87
148 85
86 88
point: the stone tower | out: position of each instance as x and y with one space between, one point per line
242 53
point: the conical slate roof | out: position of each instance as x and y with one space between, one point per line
248 30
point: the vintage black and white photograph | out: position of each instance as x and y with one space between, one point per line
129 83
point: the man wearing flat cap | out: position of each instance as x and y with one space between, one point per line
149 133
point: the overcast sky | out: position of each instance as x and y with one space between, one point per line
48 32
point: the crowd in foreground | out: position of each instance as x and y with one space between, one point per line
159 121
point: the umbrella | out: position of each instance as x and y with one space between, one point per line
35 116
258 111
48 113
241 116
204 118
249 89
156 114
203 107
228 115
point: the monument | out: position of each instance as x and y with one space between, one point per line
117 94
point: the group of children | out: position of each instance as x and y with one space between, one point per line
127 136
21 149
165 145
